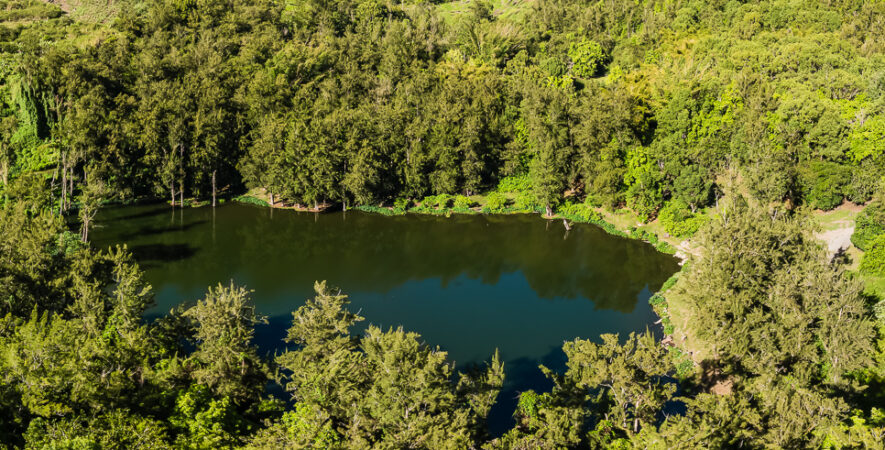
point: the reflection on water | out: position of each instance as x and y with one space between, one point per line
469 284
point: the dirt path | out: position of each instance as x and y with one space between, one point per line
838 239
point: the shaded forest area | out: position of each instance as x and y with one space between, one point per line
360 102
662 107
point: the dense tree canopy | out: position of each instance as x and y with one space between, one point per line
645 105
366 101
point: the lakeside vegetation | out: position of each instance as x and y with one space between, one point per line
721 121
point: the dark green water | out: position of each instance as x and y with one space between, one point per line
469 284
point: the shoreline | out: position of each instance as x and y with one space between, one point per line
681 356
592 216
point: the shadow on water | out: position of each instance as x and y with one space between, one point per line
146 254
144 232
143 213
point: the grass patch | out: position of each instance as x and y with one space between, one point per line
246 198
836 219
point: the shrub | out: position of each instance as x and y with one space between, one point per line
656 299
873 262
440 201
517 183
526 201
379 210
865 181
678 220
495 202
402 203
824 184
462 202
670 282
581 212
251 200
879 311
869 224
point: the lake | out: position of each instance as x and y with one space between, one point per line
467 283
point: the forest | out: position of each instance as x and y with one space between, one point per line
727 121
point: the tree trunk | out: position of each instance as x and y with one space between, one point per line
271 200
5 175
70 187
172 190
64 185
549 210
181 192
181 168
213 188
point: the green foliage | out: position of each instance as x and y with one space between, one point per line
368 380
303 427
440 201
825 185
402 204
380 210
363 102
581 212
643 193
225 360
515 184
116 428
462 202
248 199
526 201
678 220
495 202
869 225
204 421
586 57
873 261
751 260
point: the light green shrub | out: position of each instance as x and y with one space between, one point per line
678 220
402 204
516 183
462 202
495 202
869 224
873 262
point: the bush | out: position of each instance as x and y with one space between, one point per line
879 311
580 212
644 201
825 184
873 262
515 184
402 204
440 201
526 201
678 220
495 202
870 223
251 200
865 181
462 202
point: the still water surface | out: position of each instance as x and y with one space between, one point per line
468 284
